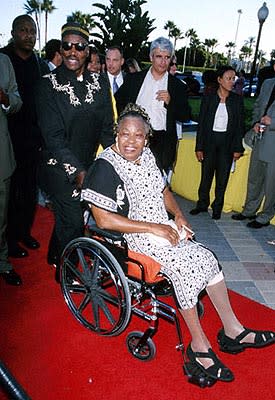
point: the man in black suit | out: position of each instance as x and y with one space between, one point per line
164 98
75 115
25 136
114 62
10 102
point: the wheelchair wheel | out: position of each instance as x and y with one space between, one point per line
143 352
94 287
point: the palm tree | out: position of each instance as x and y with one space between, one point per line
245 53
176 34
229 46
123 22
213 44
195 44
48 8
209 45
83 19
35 7
261 60
170 26
249 43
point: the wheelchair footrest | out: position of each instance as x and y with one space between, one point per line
196 376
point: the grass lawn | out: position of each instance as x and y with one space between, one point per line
248 106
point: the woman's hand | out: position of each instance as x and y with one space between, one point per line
199 155
182 223
167 232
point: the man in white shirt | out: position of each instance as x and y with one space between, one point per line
114 62
164 98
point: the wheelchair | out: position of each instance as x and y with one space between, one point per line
103 284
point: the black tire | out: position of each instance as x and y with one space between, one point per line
94 287
146 352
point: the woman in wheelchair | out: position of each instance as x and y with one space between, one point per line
126 191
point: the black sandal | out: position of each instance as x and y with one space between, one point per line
216 371
235 346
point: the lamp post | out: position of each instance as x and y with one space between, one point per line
262 16
39 26
237 30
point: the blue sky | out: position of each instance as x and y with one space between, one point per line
211 19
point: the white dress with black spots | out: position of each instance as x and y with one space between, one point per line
135 190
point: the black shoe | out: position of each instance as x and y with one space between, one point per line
52 260
216 215
241 217
216 371
11 278
17 251
237 345
256 225
30 242
196 211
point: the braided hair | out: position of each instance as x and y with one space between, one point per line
134 110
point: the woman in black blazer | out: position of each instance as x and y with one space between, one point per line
219 140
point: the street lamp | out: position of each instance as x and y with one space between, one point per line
262 16
237 30
39 26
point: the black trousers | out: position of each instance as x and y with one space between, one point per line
217 161
69 223
4 200
164 148
23 199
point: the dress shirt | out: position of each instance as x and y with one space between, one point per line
119 80
221 119
147 99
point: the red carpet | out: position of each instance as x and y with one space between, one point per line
55 358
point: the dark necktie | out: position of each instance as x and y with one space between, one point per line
115 85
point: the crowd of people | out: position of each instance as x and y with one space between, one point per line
56 112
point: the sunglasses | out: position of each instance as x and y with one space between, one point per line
172 64
69 45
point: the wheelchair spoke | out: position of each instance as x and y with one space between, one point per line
99 303
94 271
95 312
84 303
76 288
83 263
73 270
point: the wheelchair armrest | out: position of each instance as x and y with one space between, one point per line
113 235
